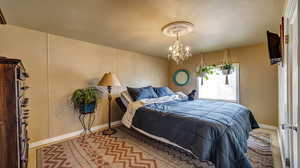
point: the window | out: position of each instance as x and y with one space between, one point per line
215 87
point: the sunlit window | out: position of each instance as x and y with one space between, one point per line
215 87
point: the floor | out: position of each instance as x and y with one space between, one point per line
275 149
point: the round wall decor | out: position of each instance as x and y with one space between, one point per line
181 77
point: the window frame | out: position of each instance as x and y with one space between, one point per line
237 69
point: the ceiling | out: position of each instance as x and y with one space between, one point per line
135 25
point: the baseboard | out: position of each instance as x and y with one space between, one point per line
265 126
69 135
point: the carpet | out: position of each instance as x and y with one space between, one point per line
128 148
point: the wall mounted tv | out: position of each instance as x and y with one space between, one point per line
274 46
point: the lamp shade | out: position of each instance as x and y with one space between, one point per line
109 79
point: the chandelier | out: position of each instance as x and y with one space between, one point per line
178 51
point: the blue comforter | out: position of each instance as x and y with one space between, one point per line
213 130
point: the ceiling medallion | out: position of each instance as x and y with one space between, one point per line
178 52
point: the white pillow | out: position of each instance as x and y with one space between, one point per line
126 98
181 95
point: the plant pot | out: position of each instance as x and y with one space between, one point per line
227 71
87 108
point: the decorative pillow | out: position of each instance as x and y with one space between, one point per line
163 91
141 93
192 95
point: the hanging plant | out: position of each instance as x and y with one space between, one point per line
226 67
204 71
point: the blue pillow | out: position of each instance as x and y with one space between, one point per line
163 91
141 93
192 95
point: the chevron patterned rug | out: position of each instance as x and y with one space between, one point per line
128 149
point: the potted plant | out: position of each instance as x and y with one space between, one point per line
227 69
85 100
204 71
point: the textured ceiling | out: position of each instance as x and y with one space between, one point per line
135 24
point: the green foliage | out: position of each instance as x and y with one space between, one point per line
226 67
204 71
85 96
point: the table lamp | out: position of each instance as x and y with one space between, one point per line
109 80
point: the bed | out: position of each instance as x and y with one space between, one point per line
216 131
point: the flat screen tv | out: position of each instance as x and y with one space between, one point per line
274 45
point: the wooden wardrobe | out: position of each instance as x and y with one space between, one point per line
13 114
